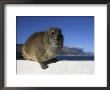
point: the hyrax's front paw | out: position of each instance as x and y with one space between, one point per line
54 60
43 66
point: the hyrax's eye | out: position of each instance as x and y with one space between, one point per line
52 33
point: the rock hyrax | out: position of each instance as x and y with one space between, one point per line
43 46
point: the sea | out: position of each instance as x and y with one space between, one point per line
74 58
69 58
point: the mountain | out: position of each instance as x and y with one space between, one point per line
72 51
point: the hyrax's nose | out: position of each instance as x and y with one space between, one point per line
60 35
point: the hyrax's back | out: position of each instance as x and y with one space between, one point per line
34 46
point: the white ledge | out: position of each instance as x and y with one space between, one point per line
60 67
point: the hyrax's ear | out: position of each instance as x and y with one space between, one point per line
48 29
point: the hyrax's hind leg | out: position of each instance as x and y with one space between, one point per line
24 54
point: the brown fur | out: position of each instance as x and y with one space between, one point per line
43 46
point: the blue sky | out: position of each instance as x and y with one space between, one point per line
78 31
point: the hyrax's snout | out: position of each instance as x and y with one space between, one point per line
59 36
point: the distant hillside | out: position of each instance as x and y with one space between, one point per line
75 51
71 51
19 51
65 51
